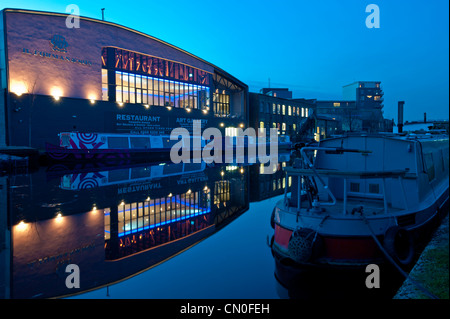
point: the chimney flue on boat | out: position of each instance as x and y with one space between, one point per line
400 116
425 117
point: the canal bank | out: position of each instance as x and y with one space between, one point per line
431 269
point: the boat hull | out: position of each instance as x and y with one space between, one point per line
57 153
335 246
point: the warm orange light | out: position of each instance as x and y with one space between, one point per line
146 106
222 124
22 226
188 110
241 125
56 92
58 218
169 108
18 88
120 103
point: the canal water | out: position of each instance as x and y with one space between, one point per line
154 230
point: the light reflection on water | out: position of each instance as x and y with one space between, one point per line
233 263
150 231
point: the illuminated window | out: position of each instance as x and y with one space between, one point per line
139 216
261 127
221 192
147 90
154 81
231 131
336 104
289 110
107 222
221 104
284 109
283 127
104 85
303 112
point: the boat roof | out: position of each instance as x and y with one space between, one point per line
426 136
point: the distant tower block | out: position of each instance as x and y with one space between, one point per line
400 116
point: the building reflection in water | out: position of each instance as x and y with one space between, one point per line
113 222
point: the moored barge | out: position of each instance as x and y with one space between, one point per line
351 194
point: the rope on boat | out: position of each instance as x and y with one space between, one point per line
391 260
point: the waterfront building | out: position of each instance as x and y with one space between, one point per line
360 109
284 93
344 110
106 78
288 116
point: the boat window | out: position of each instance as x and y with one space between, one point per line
117 142
354 187
140 172
118 175
173 169
429 165
65 140
140 142
191 167
168 143
374 188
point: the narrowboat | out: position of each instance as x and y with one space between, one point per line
361 199
76 181
97 146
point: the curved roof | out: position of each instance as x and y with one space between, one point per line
36 12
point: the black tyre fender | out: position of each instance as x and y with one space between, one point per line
399 244
305 245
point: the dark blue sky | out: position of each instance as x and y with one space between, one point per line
312 47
